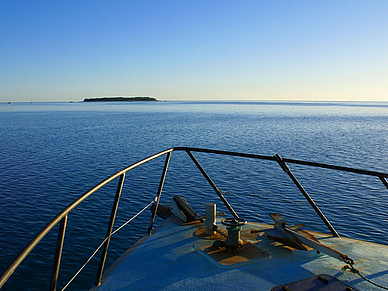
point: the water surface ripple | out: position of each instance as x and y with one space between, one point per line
52 153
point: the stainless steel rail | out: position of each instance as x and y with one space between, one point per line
31 245
62 216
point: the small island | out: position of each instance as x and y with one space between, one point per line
119 99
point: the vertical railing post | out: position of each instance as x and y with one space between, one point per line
159 192
58 254
384 181
109 230
305 194
226 203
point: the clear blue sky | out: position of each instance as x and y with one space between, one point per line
194 50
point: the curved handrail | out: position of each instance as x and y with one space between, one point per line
62 216
31 245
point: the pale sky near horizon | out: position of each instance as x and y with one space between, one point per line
194 50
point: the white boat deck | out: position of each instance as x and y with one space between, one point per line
171 259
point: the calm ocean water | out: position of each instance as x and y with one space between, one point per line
51 153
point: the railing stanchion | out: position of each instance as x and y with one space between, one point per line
305 194
159 192
384 181
109 230
58 254
226 203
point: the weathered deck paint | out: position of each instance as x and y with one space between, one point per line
170 259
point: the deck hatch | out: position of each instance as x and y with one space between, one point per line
320 282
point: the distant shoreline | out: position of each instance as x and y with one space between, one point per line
119 99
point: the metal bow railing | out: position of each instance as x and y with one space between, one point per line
61 218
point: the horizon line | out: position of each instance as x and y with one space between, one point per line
205 100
